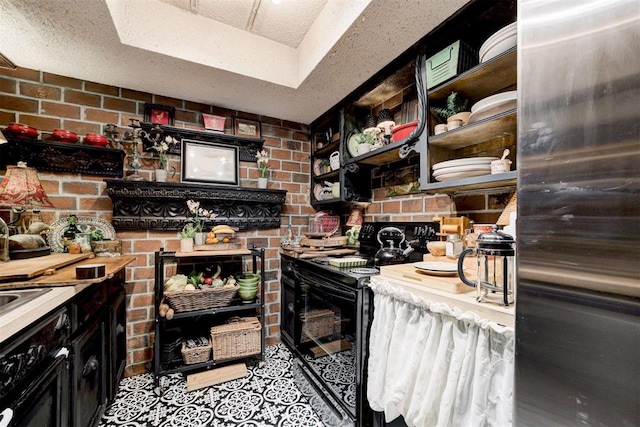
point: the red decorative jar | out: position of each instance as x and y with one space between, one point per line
96 140
21 130
63 135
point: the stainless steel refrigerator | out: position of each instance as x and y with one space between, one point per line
578 227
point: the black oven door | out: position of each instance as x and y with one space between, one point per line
327 339
43 402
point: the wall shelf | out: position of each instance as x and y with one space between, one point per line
147 205
63 157
501 180
248 147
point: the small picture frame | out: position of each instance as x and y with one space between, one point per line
207 162
214 123
159 114
248 128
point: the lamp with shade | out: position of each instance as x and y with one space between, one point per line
21 190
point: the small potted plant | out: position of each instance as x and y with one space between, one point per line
454 112
365 142
187 235
263 164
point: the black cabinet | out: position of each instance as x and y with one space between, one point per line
34 375
88 374
97 349
169 333
117 341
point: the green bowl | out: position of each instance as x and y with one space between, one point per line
247 295
248 276
248 281
248 288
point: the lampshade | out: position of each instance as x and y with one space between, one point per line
21 188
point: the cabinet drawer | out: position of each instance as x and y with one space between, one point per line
88 304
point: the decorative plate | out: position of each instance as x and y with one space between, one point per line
317 191
84 224
352 144
316 167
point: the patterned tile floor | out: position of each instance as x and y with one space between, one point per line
267 397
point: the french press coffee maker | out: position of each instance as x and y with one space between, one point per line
495 255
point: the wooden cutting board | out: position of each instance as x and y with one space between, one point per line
21 269
408 273
314 253
66 275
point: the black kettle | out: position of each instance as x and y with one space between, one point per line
393 252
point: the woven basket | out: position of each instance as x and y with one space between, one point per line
316 324
200 299
196 354
240 337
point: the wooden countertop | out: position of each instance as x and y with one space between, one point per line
491 310
64 286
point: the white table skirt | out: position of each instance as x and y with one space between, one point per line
437 366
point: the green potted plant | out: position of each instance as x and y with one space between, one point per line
187 235
325 166
453 112
365 142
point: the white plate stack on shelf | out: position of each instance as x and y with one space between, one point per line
462 168
501 41
493 105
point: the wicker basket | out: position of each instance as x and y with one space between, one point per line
196 351
240 337
200 299
316 324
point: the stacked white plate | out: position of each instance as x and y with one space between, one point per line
492 105
501 41
462 168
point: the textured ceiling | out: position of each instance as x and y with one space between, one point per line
297 60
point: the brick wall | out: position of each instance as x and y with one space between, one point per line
49 101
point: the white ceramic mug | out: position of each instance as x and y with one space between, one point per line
500 166
454 124
441 128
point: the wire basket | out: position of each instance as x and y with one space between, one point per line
316 324
238 338
200 299
196 350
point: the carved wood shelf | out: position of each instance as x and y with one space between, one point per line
61 157
247 147
146 205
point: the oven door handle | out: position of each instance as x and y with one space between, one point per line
331 290
5 417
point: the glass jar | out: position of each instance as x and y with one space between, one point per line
453 246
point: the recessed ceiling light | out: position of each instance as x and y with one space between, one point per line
275 1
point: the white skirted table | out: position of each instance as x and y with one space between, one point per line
439 363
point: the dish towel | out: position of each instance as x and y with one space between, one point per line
437 366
